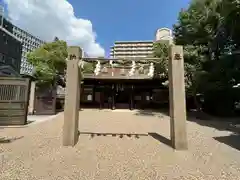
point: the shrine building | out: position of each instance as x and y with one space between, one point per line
126 80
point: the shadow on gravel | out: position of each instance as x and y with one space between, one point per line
152 112
156 136
203 119
16 126
233 140
29 122
9 140
119 135
161 139
221 124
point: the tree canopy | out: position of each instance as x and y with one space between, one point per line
208 30
49 61
160 50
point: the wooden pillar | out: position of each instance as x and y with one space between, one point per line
131 98
143 98
177 98
81 91
101 99
94 91
26 98
71 108
113 97
32 98
18 91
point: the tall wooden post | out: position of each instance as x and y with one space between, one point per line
32 97
71 108
132 98
177 98
101 99
113 97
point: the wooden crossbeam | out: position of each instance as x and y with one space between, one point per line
118 59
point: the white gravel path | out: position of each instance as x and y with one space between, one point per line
35 119
36 152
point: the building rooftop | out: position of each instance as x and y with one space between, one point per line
129 42
10 34
29 34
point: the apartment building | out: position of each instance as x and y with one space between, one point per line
138 49
1 10
10 53
29 43
131 49
10 48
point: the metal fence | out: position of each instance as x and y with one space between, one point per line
14 98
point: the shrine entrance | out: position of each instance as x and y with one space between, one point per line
122 96
117 93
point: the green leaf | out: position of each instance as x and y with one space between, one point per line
49 61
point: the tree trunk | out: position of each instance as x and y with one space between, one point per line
196 103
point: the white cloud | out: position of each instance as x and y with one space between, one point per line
50 18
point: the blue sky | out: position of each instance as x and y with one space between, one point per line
111 20
128 19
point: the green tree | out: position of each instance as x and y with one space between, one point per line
161 51
208 30
227 37
49 62
88 68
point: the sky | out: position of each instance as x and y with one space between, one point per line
94 24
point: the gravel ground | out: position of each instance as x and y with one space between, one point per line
114 152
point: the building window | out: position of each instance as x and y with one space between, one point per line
13 61
9 60
2 58
6 73
5 39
